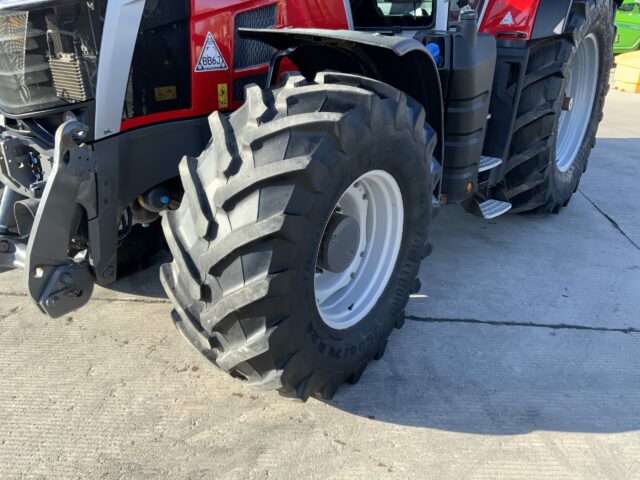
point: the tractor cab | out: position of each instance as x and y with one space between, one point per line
375 14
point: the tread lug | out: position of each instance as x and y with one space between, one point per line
357 375
381 349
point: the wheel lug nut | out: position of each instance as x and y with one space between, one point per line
567 104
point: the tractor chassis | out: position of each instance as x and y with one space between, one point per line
96 181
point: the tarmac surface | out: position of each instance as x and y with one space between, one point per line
520 359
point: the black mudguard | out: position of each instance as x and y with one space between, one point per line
401 62
552 16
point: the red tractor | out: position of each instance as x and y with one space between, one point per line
298 211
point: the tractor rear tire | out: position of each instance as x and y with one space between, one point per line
247 235
540 179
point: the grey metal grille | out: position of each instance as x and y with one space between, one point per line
48 55
23 64
250 53
70 79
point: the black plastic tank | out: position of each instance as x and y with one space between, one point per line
468 95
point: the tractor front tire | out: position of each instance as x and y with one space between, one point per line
549 153
257 204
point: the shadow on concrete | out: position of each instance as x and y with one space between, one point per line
145 282
535 280
502 381
446 373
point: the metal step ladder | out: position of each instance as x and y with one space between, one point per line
488 163
490 209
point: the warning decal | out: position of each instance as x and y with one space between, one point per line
223 96
210 59
508 19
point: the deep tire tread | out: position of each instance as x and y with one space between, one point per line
532 181
240 224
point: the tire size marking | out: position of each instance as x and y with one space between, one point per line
339 352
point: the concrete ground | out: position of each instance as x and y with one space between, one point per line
520 359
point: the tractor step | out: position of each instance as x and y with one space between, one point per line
488 163
493 208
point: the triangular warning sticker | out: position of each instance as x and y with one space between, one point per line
508 19
210 59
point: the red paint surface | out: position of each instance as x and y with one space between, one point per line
217 17
524 16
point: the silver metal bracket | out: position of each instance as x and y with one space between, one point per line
13 252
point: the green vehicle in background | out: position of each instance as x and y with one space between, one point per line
628 23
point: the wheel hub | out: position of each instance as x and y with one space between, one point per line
359 249
339 245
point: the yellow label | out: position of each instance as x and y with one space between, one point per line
164 94
223 95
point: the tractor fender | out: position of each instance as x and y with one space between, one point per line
552 16
401 62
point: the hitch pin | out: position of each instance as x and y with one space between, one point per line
567 104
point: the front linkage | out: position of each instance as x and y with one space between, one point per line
58 283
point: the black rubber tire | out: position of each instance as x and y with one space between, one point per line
245 239
534 183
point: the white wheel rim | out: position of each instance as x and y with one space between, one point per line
582 87
375 201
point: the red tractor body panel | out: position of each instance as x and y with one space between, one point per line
213 90
510 18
